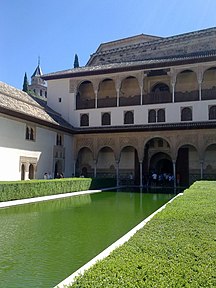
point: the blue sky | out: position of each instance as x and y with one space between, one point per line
57 30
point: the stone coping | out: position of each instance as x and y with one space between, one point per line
69 280
45 198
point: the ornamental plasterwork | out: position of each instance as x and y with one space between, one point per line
128 141
102 142
84 142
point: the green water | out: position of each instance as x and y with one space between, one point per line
43 243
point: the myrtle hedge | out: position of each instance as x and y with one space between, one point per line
177 248
14 190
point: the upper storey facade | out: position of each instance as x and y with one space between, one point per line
142 81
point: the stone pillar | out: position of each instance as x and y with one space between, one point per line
201 169
174 173
118 86
95 168
117 173
172 75
141 172
140 78
199 74
95 86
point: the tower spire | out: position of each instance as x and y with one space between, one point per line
38 60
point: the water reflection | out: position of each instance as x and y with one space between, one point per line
43 243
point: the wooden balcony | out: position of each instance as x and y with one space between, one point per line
129 101
157 97
85 104
107 102
209 94
187 96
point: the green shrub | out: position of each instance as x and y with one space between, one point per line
177 248
35 188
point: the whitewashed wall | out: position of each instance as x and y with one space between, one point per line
13 145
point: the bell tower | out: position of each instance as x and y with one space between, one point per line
38 85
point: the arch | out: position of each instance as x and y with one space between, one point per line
58 168
106 118
160 87
161 115
212 112
27 133
85 160
85 97
31 171
129 165
23 172
129 117
84 120
129 92
209 162
107 96
186 87
152 116
188 163
186 114
106 162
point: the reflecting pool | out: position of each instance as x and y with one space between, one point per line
43 243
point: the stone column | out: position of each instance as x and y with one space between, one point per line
201 169
117 173
174 173
140 78
95 168
117 86
141 172
172 75
95 86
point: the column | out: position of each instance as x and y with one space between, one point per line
201 169
117 173
95 168
199 74
174 173
141 172
96 98
172 75
118 92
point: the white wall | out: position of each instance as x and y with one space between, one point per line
13 145
172 111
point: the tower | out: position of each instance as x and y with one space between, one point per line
38 85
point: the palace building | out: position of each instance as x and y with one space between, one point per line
142 104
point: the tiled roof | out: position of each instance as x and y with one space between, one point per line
152 48
12 99
124 65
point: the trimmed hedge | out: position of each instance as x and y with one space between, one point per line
177 248
34 188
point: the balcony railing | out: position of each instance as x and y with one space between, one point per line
187 96
85 104
150 98
107 102
129 101
157 97
209 94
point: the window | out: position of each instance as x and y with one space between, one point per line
152 116
84 120
186 114
30 133
59 138
156 115
59 100
41 93
161 115
129 117
106 119
212 113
